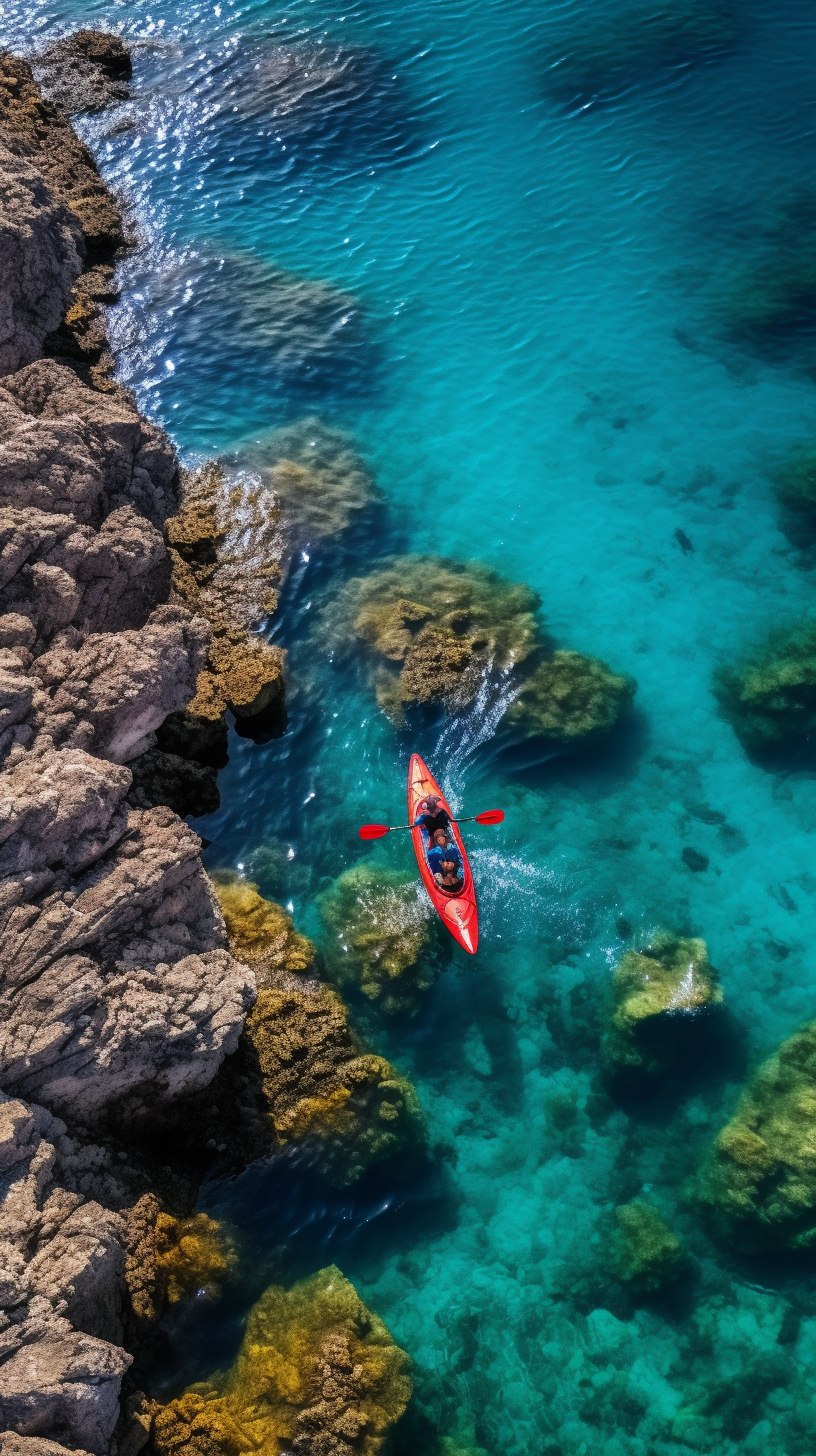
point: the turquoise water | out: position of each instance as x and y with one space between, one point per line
535 368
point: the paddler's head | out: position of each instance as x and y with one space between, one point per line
439 838
432 802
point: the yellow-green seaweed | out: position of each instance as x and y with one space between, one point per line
770 697
646 1255
191 1254
317 1372
569 697
261 932
670 978
433 626
322 1087
758 1180
381 936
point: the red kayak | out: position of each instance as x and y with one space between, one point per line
458 912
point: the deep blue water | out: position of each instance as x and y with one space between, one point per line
527 348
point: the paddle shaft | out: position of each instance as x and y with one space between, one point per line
469 820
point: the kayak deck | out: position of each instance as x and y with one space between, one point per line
458 913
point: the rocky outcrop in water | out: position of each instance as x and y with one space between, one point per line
758 1181
85 71
317 1374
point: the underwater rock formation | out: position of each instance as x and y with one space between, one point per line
796 483
633 40
758 1182
317 98
292 335
766 296
260 931
646 1255
85 71
317 1374
382 936
227 551
659 995
442 623
323 1089
770 697
316 473
568 698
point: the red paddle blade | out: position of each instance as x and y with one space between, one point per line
373 831
490 816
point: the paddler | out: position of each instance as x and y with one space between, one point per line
434 816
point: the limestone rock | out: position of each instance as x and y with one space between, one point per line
63 1262
186 787
67 449
86 71
36 130
758 1182
54 572
108 692
119 989
40 256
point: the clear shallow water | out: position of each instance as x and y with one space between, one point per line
534 371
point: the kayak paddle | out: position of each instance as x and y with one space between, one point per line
376 831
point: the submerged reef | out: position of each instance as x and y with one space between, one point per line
796 482
85 71
227 552
322 1088
766 296
317 1374
659 995
383 938
441 624
646 1255
568 698
191 1254
260 931
294 336
770 697
631 41
316 473
758 1182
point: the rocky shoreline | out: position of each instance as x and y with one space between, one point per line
125 597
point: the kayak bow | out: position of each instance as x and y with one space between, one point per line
458 913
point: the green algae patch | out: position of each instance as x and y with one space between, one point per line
769 294
191 1254
432 627
568 698
317 1372
382 938
770 697
261 933
657 995
645 1254
758 1182
796 481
